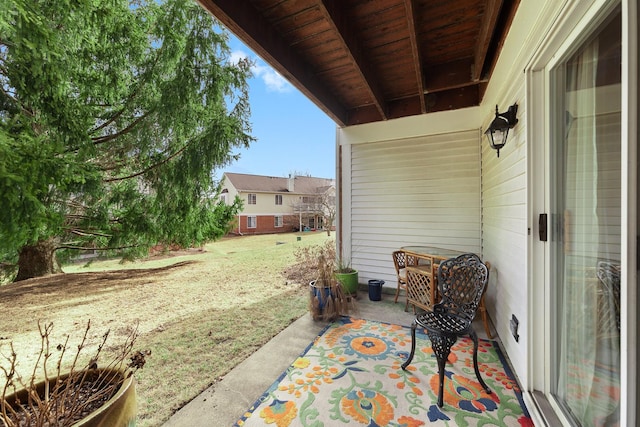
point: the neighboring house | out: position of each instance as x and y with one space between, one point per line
279 205
556 213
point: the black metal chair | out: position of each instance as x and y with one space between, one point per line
609 276
461 282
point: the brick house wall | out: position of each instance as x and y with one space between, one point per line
265 224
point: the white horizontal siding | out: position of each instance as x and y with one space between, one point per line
505 233
414 191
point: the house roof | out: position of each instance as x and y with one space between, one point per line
271 184
364 61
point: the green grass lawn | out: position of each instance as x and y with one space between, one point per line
199 314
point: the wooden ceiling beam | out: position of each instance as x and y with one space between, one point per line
411 106
241 18
487 28
453 99
415 50
334 14
362 115
453 75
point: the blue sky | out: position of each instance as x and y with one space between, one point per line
292 134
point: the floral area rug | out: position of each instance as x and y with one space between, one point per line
351 375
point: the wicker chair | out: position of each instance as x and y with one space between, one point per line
400 263
461 282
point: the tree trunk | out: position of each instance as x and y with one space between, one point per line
36 260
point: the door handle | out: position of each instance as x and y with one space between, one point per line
542 227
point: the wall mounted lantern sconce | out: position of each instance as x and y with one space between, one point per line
499 127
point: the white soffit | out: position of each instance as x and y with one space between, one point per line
413 126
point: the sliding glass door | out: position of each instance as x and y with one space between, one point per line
586 214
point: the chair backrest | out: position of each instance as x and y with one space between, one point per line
461 283
399 260
609 276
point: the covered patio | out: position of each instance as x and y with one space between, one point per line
412 86
228 400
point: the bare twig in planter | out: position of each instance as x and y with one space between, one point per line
67 397
327 296
6 410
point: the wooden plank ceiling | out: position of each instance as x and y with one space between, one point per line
364 61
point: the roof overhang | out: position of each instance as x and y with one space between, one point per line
369 61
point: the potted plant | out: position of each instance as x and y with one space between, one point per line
327 297
317 265
346 275
87 396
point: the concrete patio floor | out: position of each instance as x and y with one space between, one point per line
225 402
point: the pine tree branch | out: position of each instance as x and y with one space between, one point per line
133 95
111 137
108 122
87 233
84 248
76 217
16 102
150 168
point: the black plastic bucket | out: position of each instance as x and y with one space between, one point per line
375 289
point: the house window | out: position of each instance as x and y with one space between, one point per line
251 198
278 199
277 221
251 222
309 199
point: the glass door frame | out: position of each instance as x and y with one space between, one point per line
577 21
